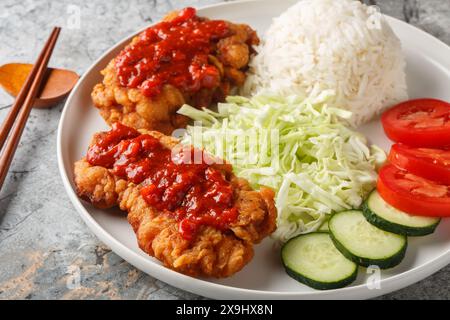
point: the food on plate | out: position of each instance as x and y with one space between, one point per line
413 194
196 217
323 67
417 180
324 226
384 216
365 244
316 164
313 259
338 45
419 123
432 164
183 59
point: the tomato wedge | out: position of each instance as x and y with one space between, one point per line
412 194
432 164
419 123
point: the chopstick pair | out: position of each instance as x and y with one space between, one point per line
16 119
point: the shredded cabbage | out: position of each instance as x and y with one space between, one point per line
314 163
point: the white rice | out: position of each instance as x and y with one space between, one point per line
341 45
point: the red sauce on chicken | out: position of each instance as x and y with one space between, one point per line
194 193
173 52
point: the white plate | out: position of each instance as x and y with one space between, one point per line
428 76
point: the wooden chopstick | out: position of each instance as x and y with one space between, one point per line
9 120
21 109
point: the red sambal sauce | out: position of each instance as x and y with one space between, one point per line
194 193
173 52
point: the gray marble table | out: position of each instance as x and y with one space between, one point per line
46 251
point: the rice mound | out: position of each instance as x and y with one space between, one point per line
338 45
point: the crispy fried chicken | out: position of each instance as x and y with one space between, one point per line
212 251
156 74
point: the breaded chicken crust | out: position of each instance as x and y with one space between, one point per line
131 107
212 252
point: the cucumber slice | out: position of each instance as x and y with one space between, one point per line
364 243
313 259
384 216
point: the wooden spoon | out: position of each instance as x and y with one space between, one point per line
56 85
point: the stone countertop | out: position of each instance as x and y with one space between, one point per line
46 251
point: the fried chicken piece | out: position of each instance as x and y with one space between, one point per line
212 252
95 184
129 105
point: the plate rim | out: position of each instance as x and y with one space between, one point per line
211 289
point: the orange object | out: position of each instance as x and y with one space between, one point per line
56 85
